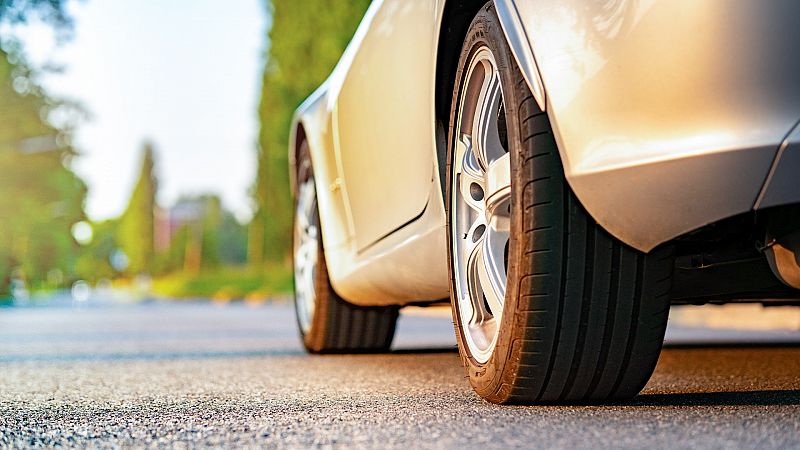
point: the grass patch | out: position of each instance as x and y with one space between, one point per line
227 283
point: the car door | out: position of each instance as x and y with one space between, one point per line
383 117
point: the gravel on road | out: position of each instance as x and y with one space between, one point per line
198 375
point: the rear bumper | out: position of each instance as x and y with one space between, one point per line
647 204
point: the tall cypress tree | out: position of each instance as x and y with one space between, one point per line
136 228
303 49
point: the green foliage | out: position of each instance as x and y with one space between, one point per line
94 261
306 40
172 259
136 228
41 197
49 11
226 283
210 223
232 241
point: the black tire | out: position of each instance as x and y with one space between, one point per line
337 326
584 314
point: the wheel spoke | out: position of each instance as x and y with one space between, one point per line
308 198
492 272
473 268
305 205
306 253
308 280
302 221
498 186
488 147
300 257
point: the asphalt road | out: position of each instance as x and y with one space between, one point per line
205 375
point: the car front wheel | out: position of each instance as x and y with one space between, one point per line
327 322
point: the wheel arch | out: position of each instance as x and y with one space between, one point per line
455 20
297 136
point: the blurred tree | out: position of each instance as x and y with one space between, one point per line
136 226
210 223
171 260
202 246
49 11
232 240
304 46
41 197
94 262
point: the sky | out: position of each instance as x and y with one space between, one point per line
182 74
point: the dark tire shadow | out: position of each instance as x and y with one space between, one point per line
424 350
741 398
733 345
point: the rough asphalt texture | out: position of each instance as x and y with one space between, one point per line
203 375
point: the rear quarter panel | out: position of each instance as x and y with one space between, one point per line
668 113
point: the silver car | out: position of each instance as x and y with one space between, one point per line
561 172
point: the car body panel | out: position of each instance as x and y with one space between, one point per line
315 121
668 115
386 92
371 134
781 187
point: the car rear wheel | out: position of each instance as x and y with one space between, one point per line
328 323
547 305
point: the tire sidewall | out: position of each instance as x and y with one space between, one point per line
487 378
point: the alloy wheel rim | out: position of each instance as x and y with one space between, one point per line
480 205
305 253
